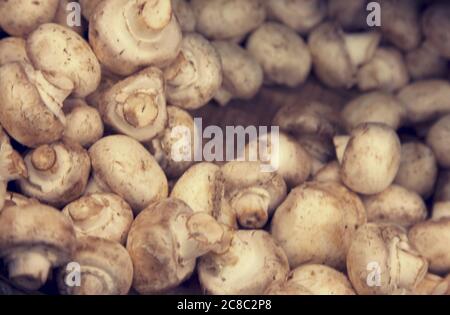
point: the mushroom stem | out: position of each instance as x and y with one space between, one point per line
252 207
361 47
223 97
29 269
201 234
140 109
340 143
43 158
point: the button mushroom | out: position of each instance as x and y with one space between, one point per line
242 75
129 35
350 14
349 51
165 240
316 279
438 139
395 205
432 285
105 269
418 168
185 15
248 267
300 15
34 238
381 260
425 63
101 215
369 158
196 74
13 49
122 165
88 7
436 27
282 54
21 17
57 173
84 124
228 19
136 106
316 223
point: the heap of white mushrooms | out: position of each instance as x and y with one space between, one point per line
108 185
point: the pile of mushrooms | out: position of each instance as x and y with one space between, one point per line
108 185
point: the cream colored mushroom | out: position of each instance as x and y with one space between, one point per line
374 107
256 196
122 165
248 267
431 238
201 187
136 106
418 168
432 285
21 17
331 172
300 15
129 35
426 100
53 74
282 54
438 139
13 49
385 71
165 240
196 74
400 23
57 173
88 7
316 279
228 19
381 260
174 147
105 269
34 238
436 25
351 14
12 166
425 63
369 158
316 223
349 50
395 205
84 124
242 75
185 15
103 215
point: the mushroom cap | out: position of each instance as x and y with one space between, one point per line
84 124
438 139
418 169
432 284
426 100
65 57
22 111
330 172
425 63
395 205
383 251
124 166
373 107
106 268
282 54
124 43
227 19
436 27
371 158
170 143
316 223
61 182
136 106
13 49
21 17
300 15
196 75
34 225
185 15
242 75
431 239
103 215
400 23
318 280
251 263
155 243
351 14
88 7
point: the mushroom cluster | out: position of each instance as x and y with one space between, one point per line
225 147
